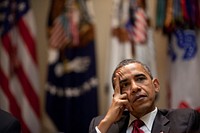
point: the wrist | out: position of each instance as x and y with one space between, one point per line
104 125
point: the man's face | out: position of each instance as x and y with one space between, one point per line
141 90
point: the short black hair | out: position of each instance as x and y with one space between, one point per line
127 62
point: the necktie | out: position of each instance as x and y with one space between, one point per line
136 126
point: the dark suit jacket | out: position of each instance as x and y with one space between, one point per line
8 123
166 121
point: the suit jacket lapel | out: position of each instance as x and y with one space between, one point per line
160 124
123 123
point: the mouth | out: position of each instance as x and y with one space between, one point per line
139 97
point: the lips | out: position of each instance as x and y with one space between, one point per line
139 97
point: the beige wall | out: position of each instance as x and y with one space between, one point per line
102 10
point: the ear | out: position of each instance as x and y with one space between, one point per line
156 85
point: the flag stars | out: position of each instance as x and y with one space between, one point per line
1 30
4 4
2 17
11 18
21 6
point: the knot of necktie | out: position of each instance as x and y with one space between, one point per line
138 123
136 126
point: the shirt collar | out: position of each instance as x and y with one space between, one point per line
148 119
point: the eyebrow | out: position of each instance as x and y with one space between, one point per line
141 74
135 76
123 81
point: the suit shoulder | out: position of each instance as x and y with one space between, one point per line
7 120
181 119
5 116
179 113
96 120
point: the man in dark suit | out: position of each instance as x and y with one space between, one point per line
8 123
135 92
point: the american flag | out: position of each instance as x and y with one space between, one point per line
19 84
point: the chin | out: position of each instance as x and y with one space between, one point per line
142 108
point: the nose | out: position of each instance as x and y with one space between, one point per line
134 87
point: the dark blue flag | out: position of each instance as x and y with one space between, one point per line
71 91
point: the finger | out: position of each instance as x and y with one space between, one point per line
117 86
122 108
128 106
120 99
124 102
119 73
122 96
123 105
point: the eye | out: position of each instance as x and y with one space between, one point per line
124 85
140 79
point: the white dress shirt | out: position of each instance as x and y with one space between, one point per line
148 120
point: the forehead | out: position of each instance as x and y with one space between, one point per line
131 70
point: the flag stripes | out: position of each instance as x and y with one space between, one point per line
29 42
34 100
58 36
140 26
13 106
19 84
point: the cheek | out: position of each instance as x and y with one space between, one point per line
150 91
152 94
